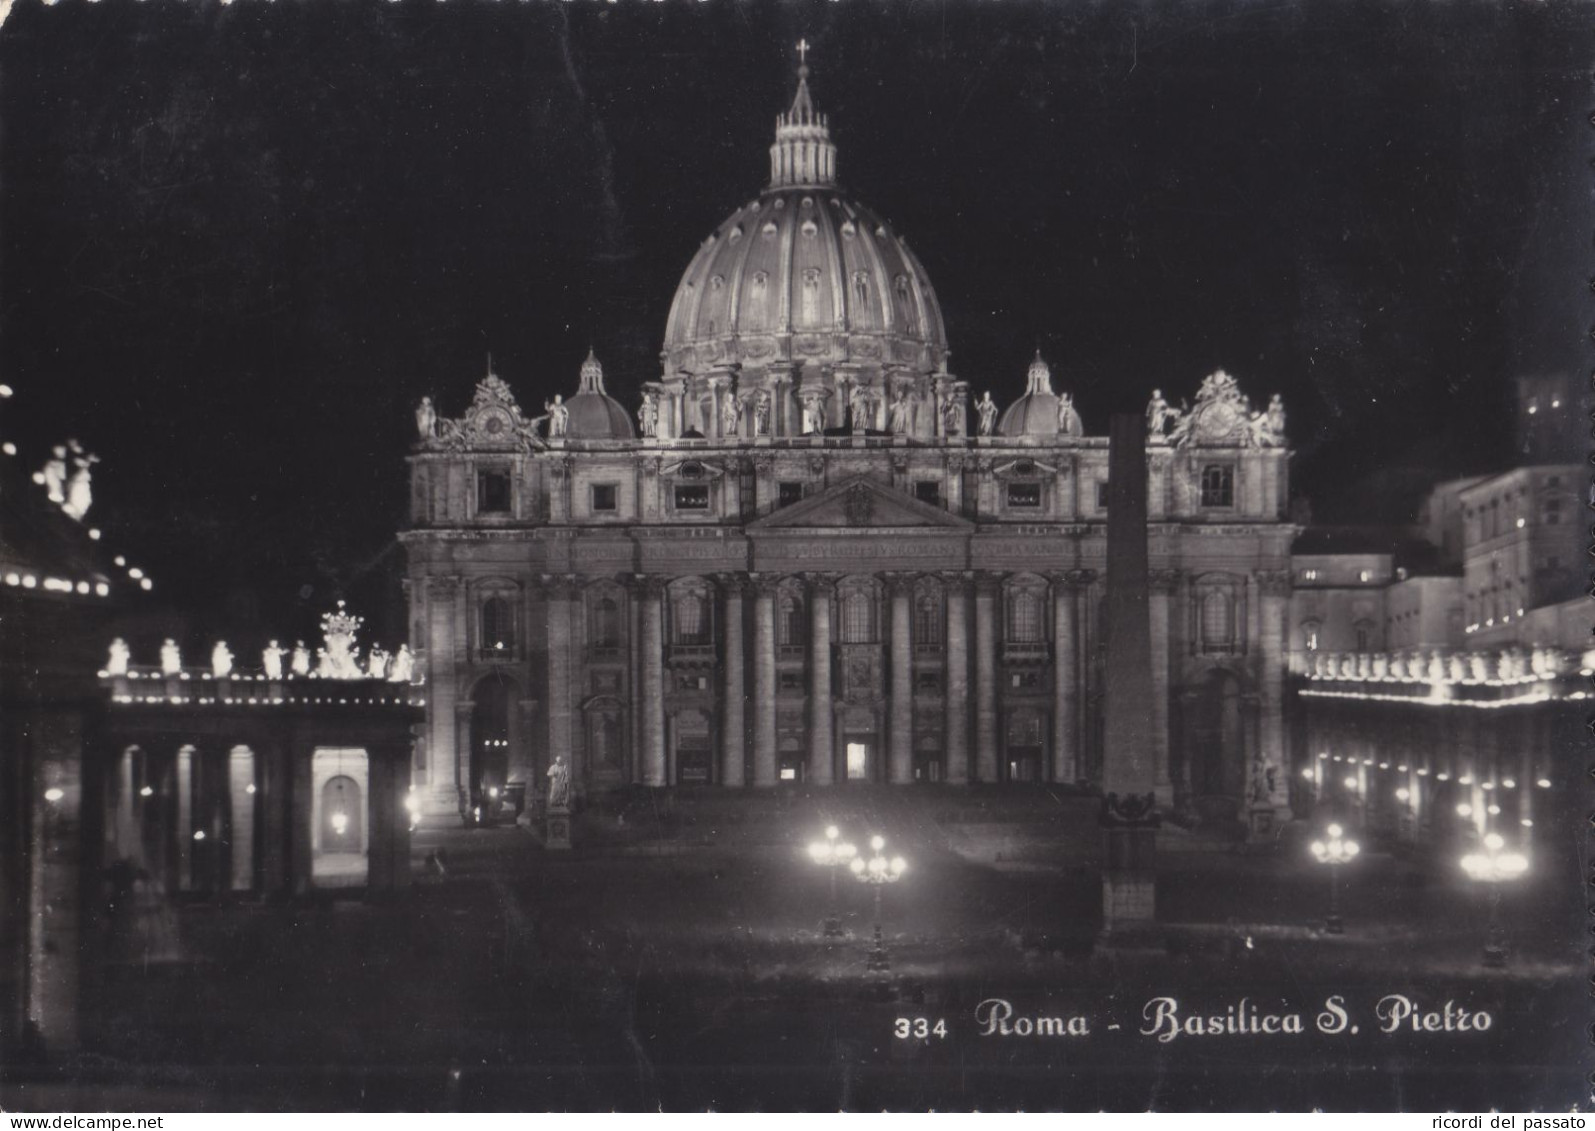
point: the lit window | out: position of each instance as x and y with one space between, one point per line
1218 486
1364 575
692 497
1309 575
858 618
1024 494
1309 633
492 492
1024 618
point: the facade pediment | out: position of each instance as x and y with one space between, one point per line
859 504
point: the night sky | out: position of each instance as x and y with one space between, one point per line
237 243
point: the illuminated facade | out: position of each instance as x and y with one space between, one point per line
810 558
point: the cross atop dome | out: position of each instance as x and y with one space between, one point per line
802 154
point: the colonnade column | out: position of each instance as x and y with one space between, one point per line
764 768
734 696
822 754
986 677
653 693
900 765
1065 679
1161 586
956 739
439 646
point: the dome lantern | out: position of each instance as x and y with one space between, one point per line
594 414
802 155
1038 379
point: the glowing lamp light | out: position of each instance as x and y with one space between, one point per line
1308 774
1350 783
1487 785
119 560
1465 779
147 791
1402 768
1403 794
135 573
1442 777
492 792
94 533
53 795
199 834
340 822
1493 810
250 788
1321 754
1526 823
9 448
1544 783
1521 523
1464 810
146 585
1509 783
1384 765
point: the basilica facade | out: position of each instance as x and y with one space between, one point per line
809 555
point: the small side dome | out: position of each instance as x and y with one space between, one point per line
594 414
1035 413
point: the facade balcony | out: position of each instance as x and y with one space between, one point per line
791 651
691 655
930 651
1025 651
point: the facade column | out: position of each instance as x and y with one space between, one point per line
1271 792
764 768
557 594
986 677
900 766
956 738
185 817
734 696
822 753
1065 678
241 790
1162 584
653 681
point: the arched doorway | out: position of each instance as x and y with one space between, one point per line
490 738
342 816
1216 745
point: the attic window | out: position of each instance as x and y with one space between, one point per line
493 492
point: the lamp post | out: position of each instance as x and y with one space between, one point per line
878 871
1335 851
1494 866
830 853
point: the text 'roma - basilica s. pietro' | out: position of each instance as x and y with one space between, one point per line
808 557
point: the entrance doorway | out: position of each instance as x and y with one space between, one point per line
490 739
1216 755
858 760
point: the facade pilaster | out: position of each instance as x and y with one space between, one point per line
1066 676
822 753
986 677
1272 790
559 591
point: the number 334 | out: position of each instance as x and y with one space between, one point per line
921 1028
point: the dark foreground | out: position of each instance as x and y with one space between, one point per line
691 973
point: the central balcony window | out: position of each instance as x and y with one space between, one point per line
692 496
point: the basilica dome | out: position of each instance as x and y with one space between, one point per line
594 414
803 273
1040 412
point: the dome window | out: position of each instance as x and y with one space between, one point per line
717 282
755 206
759 280
808 202
768 230
809 227
849 230
880 231
736 233
780 203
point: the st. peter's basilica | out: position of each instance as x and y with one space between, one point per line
810 555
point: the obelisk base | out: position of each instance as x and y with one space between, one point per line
1129 879
557 828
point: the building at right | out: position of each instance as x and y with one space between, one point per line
1440 672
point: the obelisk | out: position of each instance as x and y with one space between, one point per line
1129 820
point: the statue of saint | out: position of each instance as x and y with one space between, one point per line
1158 414
730 414
271 659
117 663
952 415
171 658
813 421
79 491
377 663
559 784
987 408
301 659
897 416
558 416
1276 420
403 665
648 415
426 419
54 474
1068 419
858 401
221 660
761 413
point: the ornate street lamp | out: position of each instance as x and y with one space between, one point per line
878 871
1495 866
830 853
1335 851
